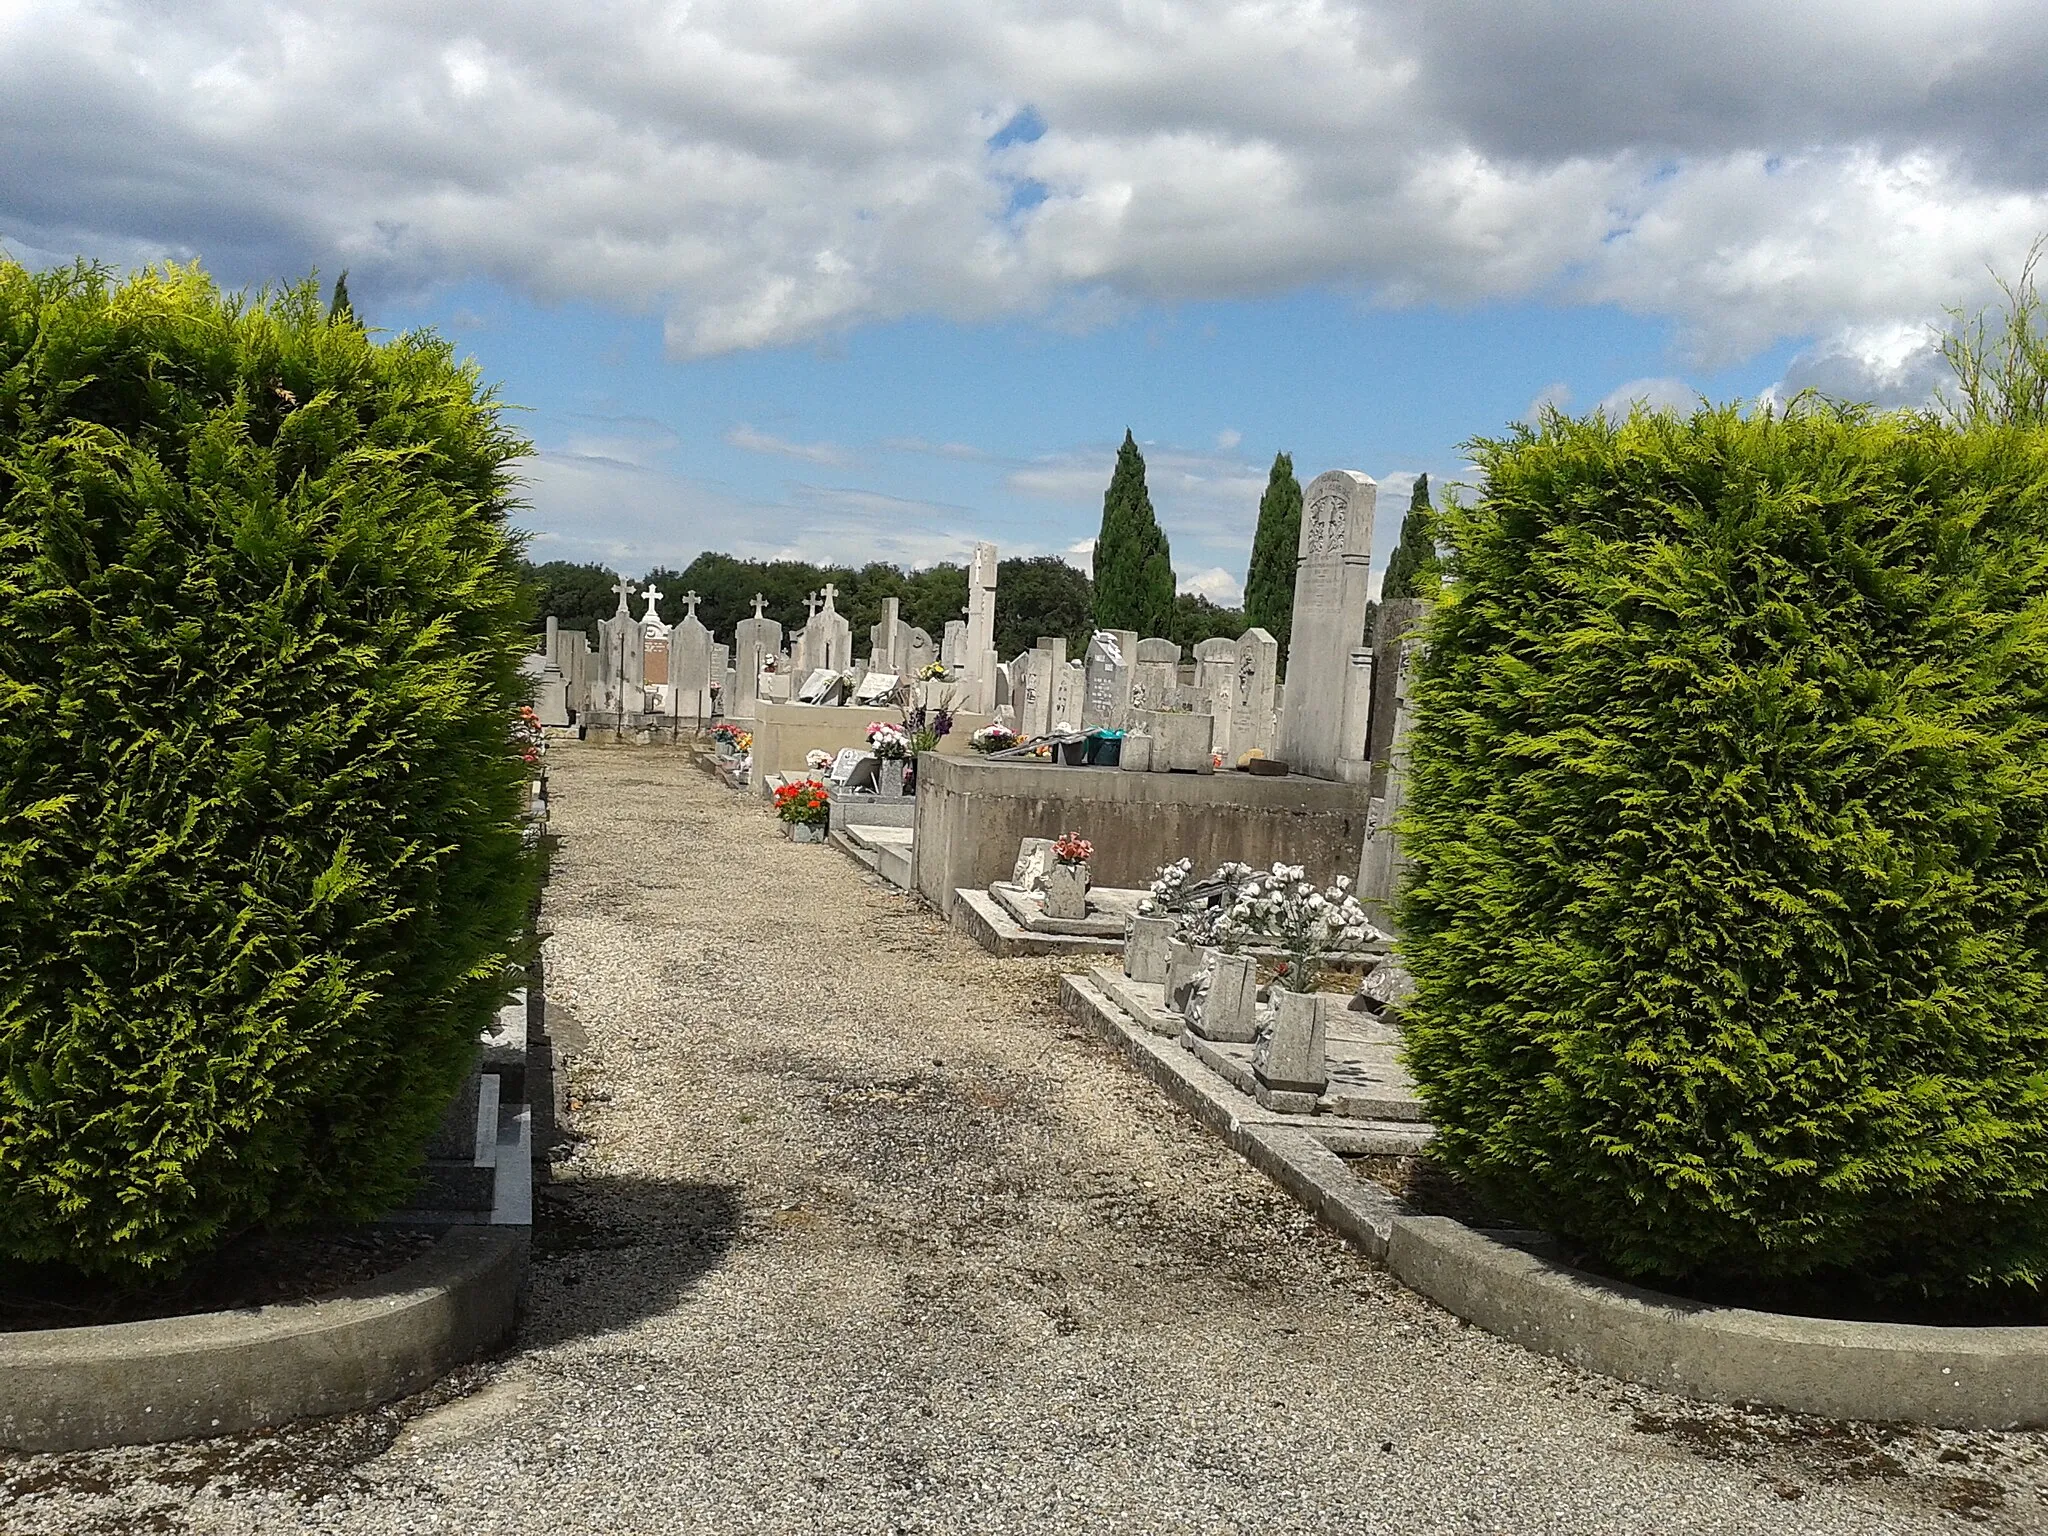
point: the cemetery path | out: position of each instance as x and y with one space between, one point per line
858 1236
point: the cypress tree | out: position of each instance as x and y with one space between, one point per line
1412 571
1269 583
1133 565
339 310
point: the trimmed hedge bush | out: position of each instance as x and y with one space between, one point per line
1729 830
260 867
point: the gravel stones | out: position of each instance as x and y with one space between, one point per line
854 1234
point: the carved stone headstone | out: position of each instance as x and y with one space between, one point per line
1069 696
953 644
621 689
1155 679
1391 628
828 638
1215 688
1334 562
1251 705
1034 707
918 652
1381 862
755 641
875 688
1109 667
690 670
978 642
1034 859
882 639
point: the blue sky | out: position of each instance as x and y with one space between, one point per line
900 441
871 279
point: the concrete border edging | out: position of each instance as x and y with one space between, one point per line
1955 1378
220 1373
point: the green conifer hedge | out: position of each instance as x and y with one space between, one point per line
1729 826
260 868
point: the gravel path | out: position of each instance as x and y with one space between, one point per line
858 1236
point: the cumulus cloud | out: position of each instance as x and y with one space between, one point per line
764 172
1674 395
1216 584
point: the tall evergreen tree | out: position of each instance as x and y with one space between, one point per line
1412 570
1133 565
339 310
1269 583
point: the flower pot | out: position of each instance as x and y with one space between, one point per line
1066 891
1289 1057
1145 949
1136 756
1185 963
889 778
803 832
1230 1008
1074 753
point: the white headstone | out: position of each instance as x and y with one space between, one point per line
1251 704
1155 679
821 682
828 638
1108 701
875 688
689 663
1334 562
755 641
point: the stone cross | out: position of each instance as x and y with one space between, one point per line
625 589
760 602
828 592
693 600
653 594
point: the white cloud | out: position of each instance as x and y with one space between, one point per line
1553 397
1674 395
1081 556
743 436
1217 585
1228 439
763 172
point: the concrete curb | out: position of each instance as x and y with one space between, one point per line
1956 1378
220 1373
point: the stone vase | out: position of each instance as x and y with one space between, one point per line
1230 1010
1145 949
1137 754
1185 964
889 778
1066 891
1289 1065
804 832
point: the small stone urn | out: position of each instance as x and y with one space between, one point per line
1288 1062
889 778
1066 891
1145 949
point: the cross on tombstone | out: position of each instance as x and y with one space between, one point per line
625 590
810 604
653 594
760 602
693 600
828 591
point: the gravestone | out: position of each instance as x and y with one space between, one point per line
755 641
690 669
1069 696
1230 1007
828 638
1034 696
953 645
978 642
1054 646
918 651
550 686
1334 562
1034 861
843 765
821 687
1251 707
1155 679
1107 703
875 688
1216 688
654 639
1381 862
1145 949
1391 628
884 637
620 689
1289 1062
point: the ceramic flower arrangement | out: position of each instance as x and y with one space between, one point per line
803 803
1070 848
993 738
887 741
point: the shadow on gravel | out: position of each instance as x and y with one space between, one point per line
611 1250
